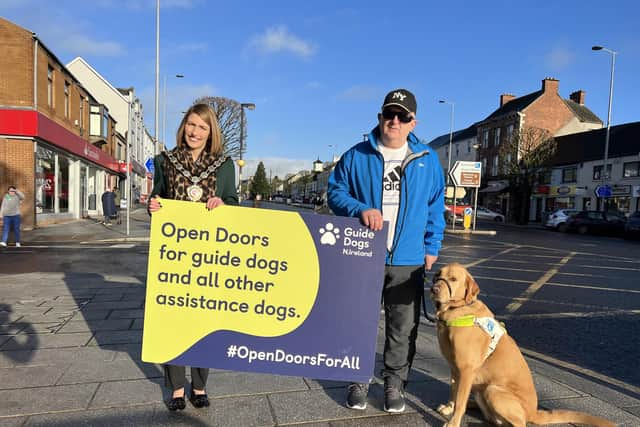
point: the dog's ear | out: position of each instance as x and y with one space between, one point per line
472 289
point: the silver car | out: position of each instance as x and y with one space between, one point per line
484 213
558 219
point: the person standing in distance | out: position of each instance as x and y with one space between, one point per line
195 170
10 213
394 177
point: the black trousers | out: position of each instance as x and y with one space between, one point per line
402 298
175 378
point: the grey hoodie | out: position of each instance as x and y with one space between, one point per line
11 204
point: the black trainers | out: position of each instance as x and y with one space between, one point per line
357 397
393 397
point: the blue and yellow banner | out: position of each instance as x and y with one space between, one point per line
263 290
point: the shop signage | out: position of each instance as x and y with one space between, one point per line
620 190
562 190
542 189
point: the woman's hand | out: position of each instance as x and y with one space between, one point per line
214 202
154 204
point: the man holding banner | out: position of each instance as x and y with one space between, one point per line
394 177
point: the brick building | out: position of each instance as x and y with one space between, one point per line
57 142
544 109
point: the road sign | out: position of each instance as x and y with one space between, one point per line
149 165
466 174
603 191
468 211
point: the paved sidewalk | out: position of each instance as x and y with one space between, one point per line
70 355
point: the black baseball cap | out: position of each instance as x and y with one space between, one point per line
401 98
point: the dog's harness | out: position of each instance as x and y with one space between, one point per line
491 326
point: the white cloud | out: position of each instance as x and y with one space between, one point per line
279 39
559 58
277 166
360 93
81 45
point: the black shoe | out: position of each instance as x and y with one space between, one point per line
393 396
176 403
357 397
199 400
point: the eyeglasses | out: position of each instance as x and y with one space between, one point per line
403 116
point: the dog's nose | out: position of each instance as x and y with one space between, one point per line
435 289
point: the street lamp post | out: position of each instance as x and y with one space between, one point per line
156 147
240 162
444 101
164 102
606 139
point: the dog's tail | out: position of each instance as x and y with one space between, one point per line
560 416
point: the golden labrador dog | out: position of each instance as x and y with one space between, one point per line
485 360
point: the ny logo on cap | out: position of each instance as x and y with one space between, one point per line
399 95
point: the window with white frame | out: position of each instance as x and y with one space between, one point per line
494 166
485 138
50 86
66 98
569 174
496 137
597 172
631 170
509 132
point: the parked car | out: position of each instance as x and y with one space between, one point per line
597 222
484 213
632 226
558 219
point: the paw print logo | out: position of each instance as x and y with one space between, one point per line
330 234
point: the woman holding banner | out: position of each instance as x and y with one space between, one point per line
195 170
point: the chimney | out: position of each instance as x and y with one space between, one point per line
578 96
506 97
549 84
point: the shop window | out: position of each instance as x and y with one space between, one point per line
45 180
597 172
631 170
569 174
63 184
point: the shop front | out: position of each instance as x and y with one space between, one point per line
69 174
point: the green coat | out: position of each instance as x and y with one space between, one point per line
225 181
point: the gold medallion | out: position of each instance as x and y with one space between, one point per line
194 192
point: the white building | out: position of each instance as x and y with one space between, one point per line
127 111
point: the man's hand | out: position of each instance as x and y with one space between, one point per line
214 202
373 219
429 260
154 204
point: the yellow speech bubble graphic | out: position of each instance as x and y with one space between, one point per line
253 271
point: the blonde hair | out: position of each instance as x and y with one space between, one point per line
206 113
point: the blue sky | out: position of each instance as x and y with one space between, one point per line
318 70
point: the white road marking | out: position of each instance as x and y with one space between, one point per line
535 286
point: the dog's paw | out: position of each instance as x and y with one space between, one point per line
446 410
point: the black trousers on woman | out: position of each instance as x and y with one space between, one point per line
175 378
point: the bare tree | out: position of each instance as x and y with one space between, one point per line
524 158
228 112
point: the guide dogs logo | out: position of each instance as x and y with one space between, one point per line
330 234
